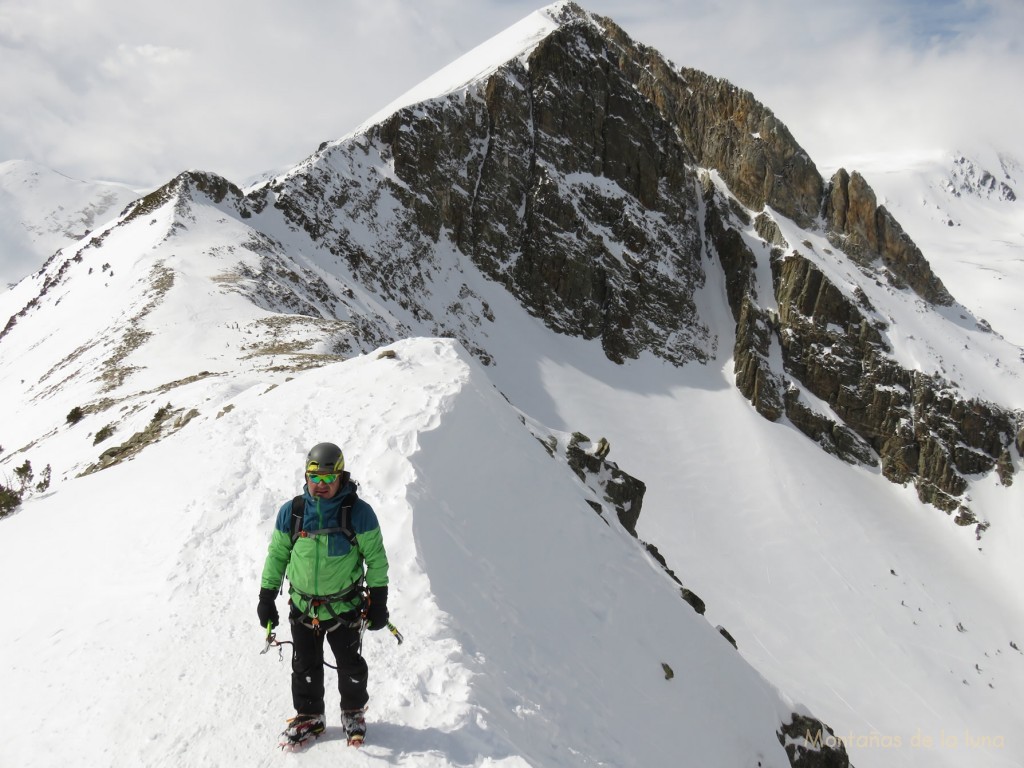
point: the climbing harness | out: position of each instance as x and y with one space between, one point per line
273 642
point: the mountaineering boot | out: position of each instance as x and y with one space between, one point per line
355 726
301 729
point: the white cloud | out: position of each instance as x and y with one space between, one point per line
114 89
855 79
128 60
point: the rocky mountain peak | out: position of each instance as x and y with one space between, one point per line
578 176
611 194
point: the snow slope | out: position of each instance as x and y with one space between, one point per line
838 586
535 632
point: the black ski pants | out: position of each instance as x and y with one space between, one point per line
308 665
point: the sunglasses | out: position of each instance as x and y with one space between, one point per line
322 479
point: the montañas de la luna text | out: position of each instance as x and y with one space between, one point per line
965 739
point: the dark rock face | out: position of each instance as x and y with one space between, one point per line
577 199
725 128
730 131
919 428
922 430
619 489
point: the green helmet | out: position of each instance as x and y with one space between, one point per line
325 458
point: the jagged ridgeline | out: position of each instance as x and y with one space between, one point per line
601 187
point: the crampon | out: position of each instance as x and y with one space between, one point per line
301 731
355 726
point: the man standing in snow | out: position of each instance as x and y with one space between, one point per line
323 540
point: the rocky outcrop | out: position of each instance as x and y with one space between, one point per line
916 426
725 128
757 329
729 130
868 233
922 429
809 743
622 491
838 382
967 178
181 188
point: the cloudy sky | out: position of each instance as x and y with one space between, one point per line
137 92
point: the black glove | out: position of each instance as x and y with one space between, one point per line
267 608
377 612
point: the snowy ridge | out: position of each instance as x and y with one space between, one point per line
503 663
514 42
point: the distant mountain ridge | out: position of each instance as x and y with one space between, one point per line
42 211
967 178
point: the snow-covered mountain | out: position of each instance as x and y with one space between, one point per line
42 211
173 367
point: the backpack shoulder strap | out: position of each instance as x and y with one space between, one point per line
345 522
298 510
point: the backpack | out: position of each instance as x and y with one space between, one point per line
344 517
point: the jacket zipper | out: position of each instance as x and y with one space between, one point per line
316 558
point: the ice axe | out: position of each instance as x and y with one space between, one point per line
394 631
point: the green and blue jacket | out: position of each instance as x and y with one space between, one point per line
320 566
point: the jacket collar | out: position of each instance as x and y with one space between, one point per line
327 506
